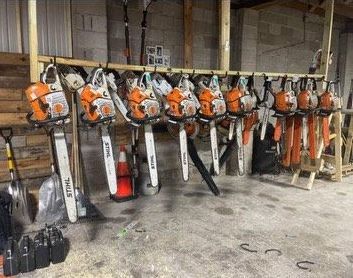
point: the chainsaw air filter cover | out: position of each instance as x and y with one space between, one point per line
95 98
307 101
47 99
285 102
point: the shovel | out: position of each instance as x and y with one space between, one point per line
21 203
51 199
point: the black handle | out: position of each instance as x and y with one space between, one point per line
7 137
37 123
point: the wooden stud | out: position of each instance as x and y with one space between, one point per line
188 39
326 41
224 34
33 40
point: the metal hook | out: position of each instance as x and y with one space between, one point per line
155 68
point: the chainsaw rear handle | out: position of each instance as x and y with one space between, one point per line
37 123
7 136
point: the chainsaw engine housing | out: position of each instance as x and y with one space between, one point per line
285 102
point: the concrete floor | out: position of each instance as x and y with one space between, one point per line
187 232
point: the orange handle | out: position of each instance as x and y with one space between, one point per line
288 141
296 150
278 130
312 136
326 131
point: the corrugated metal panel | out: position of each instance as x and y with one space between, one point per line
54 27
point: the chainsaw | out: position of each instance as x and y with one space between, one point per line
240 105
99 110
305 119
329 102
144 109
285 106
51 111
212 108
181 108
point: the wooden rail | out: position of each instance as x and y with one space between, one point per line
86 63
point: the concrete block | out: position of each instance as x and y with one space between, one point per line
92 7
250 32
91 39
176 38
174 6
117 44
265 16
250 17
87 23
99 23
198 14
161 22
264 27
78 21
117 29
275 29
211 42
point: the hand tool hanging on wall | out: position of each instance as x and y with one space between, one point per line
21 209
127 35
181 108
285 106
144 109
51 111
213 108
146 4
328 103
99 110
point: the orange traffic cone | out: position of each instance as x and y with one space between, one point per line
125 189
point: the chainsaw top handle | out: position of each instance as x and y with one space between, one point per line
6 133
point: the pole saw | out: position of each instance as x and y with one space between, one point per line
51 111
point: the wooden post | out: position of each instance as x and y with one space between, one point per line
188 42
33 40
19 27
224 34
325 59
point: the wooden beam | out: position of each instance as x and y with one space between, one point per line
7 58
33 39
224 34
257 4
327 37
92 64
188 39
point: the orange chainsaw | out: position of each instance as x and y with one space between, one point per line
285 106
241 102
328 103
212 108
305 120
181 107
51 111
144 109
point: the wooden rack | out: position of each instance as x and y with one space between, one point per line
37 63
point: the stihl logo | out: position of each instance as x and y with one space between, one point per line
153 164
215 154
107 149
68 187
184 158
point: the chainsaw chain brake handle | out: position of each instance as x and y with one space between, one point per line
143 105
47 100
